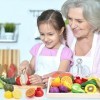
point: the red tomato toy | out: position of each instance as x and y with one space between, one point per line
39 92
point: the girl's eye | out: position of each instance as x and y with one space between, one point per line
50 34
41 34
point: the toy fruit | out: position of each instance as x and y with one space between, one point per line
90 88
23 79
76 88
39 92
8 94
78 80
67 79
56 82
54 90
30 92
63 89
61 74
17 94
67 85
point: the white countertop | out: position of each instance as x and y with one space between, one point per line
44 97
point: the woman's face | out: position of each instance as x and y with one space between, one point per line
80 27
49 36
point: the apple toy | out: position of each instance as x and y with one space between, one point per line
23 79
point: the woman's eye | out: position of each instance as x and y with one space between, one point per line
79 21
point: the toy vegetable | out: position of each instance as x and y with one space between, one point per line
92 81
39 92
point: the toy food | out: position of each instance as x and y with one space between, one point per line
30 92
92 81
8 87
54 90
76 88
63 89
56 82
39 92
17 94
8 94
61 74
23 79
90 88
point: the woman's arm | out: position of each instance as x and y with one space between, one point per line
64 65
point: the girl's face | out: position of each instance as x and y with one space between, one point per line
49 36
80 27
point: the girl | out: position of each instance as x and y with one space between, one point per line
51 55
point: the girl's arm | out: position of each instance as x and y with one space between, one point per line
31 66
27 66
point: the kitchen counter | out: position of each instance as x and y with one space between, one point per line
44 97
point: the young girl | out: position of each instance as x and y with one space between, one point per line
51 55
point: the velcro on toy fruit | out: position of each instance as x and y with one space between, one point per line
30 92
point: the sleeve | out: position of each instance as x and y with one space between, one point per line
34 49
96 69
67 54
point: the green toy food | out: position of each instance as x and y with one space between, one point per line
76 88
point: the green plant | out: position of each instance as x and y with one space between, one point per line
9 27
66 22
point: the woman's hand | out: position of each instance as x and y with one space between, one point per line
23 67
35 79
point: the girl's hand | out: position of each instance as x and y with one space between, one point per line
35 79
23 67
46 77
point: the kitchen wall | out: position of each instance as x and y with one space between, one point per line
18 11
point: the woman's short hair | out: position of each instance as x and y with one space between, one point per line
91 10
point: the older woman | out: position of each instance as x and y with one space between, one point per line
84 40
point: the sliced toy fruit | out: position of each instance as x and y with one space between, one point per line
76 88
90 88
30 92
67 79
17 94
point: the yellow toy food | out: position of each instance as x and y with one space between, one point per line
8 94
17 94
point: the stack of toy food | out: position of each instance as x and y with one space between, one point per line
65 82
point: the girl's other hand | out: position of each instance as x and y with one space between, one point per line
46 77
23 67
35 79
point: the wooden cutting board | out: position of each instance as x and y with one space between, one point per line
30 86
